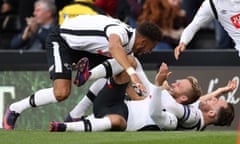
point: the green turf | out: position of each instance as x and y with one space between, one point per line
44 137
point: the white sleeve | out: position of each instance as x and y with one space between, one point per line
177 109
142 76
192 119
203 16
162 118
120 31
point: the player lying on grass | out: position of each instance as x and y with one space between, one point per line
145 114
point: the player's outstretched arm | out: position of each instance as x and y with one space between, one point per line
231 85
162 75
120 55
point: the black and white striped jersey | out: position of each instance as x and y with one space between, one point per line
90 33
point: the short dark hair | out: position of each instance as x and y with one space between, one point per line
149 30
225 116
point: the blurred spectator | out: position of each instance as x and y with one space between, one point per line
9 6
78 7
9 22
191 7
25 9
35 33
109 6
170 18
129 10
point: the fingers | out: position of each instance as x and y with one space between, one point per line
137 83
139 88
177 51
233 84
163 68
168 75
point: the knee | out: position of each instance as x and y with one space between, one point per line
61 94
118 122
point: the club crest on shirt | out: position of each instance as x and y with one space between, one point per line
236 20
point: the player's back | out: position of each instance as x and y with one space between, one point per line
90 33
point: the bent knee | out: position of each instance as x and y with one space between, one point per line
62 89
61 94
118 122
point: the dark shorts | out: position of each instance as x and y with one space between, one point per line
110 100
61 57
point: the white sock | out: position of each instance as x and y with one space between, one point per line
97 124
41 97
75 126
83 106
100 71
100 124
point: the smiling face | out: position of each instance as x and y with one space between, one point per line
217 111
181 88
147 36
212 104
143 45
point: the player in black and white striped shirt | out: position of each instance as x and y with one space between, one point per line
97 37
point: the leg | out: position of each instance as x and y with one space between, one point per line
59 63
109 122
86 102
107 69
110 111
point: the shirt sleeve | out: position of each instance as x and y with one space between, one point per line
162 118
142 76
203 16
191 119
120 31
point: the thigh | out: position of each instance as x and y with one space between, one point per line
59 58
94 59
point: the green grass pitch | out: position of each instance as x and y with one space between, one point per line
177 137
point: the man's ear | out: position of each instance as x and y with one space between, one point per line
184 98
211 113
140 40
143 41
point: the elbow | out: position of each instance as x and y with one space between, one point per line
155 115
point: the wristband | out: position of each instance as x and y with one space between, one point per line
130 71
